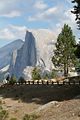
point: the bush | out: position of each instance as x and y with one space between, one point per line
50 75
1 108
12 80
30 117
53 74
3 114
21 80
1 102
46 76
36 74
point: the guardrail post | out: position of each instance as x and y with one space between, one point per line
19 83
52 83
42 82
57 82
63 82
74 82
38 82
47 83
79 82
25 82
69 82
33 82
29 82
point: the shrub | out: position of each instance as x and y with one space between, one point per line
30 117
1 102
1 108
36 74
46 76
12 80
19 101
21 80
3 114
53 74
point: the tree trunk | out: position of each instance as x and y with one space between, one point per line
67 67
65 70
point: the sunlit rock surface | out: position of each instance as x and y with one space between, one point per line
26 56
37 50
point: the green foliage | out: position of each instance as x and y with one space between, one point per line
12 80
3 114
50 75
46 76
1 108
64 56
77 66
77 52
30 117
36 74
1 102
53 74
76 11
21 80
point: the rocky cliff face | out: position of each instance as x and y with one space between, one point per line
37 50
26 56
6 52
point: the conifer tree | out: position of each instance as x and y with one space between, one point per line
36 74
64 56
76 11
12 79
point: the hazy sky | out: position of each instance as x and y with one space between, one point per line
18 15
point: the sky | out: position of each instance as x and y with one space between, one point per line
17 16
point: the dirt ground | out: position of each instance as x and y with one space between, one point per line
66 110
30 99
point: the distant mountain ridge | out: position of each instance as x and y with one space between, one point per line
7 50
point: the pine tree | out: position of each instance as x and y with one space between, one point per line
12 80
77 52
36 74
64 56
76 11
22 80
